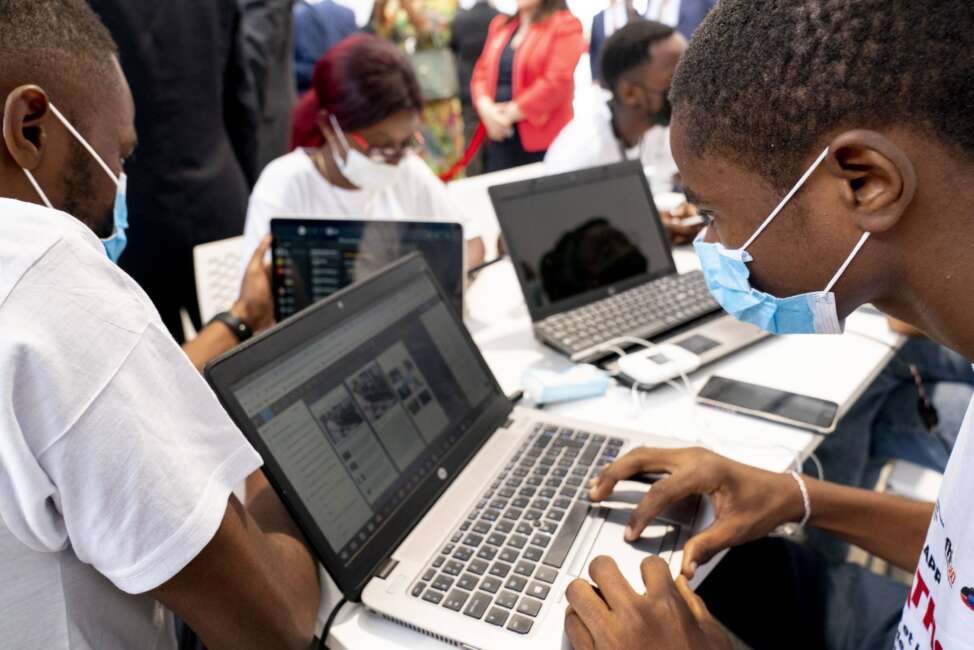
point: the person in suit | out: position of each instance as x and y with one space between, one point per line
468 34
197 119
318 26
268 51
524 81
684 15
604 25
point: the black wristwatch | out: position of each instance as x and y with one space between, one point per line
239 328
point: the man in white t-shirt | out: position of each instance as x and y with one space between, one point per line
629 120
116 460
863 156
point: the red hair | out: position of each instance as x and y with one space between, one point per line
361 81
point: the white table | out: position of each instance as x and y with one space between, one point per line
835 368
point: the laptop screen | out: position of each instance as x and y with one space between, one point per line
359 417
575 238
314 258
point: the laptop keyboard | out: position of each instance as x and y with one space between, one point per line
642 312
500 564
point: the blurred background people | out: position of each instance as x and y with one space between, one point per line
267 30
684 15
197 118
468 34
422 29
618 14
318 26
523 83
356 143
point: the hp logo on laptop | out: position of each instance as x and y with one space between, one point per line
441 474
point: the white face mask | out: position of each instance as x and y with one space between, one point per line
360 170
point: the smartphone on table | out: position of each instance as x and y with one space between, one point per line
803 411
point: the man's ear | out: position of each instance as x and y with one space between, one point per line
26 115
878 178
627 93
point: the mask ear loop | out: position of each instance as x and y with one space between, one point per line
845 265
784 201
84 143
37 188
340 134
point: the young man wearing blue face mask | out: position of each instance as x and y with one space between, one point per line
865 103
116 460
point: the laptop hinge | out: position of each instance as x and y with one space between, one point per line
387 568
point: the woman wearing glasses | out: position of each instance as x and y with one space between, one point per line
355 149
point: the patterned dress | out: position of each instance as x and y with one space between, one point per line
442 119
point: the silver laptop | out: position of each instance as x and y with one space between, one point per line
595 266
424 493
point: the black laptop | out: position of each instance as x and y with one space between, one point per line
314 258
595 265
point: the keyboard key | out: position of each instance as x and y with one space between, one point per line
518 541
447 549
496 539
432 596
456 538
418 589
487 553
574 481
463 553
508 555
520 624
541 540
467 581
533 553
528 606
457 599
532 515
524 569
562 503
534 481
481 528
465 526
616 442
477 567
547 493
505 492
506 599
498 504
497 616
520 502
524 528
491 515
477 606
555 514
429 575
438 562
473 539
516 583
527 491
500 569
452 568
513 514
566 536
504 526
548 527
490 584
538 590
546 574
541 504
442 583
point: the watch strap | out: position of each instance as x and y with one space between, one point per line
239 328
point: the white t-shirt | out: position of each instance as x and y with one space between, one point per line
939 614
116 459
292 186
588 141
664 11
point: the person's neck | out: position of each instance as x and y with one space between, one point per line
324 162
627 124
932 289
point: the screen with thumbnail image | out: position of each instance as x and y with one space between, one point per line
359 416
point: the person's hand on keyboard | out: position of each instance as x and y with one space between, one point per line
749 502
613 616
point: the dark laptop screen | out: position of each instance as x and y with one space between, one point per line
315 258
574 237
360 415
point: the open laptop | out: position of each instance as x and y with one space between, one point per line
424 493
314 258
595 266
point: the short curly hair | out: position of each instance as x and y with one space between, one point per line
60 45
765 82
629 47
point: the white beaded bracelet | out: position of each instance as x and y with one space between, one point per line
806 501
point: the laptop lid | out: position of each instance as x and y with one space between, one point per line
314 258
364 408
578 237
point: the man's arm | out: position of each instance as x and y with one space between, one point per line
255 585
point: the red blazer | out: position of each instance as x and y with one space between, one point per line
544 73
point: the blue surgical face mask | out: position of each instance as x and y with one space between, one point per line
115 244
727 277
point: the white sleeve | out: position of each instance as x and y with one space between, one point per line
434 200
143 477
562 154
